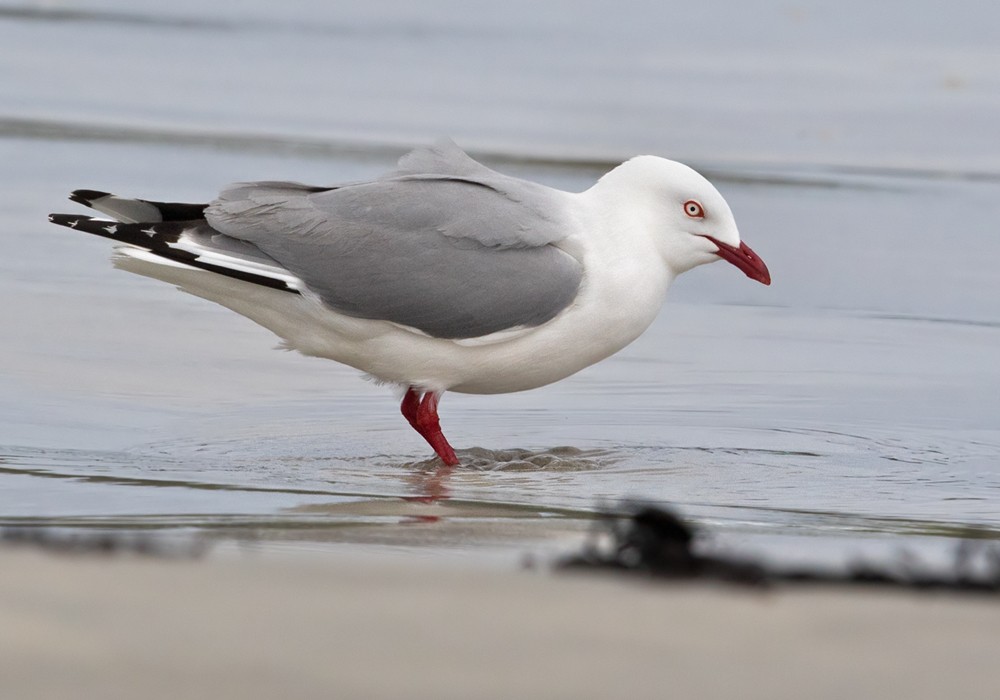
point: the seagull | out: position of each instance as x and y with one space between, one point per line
441 275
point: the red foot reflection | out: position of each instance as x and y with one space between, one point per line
431 487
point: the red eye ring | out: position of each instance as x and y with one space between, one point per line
694 209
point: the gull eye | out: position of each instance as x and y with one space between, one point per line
694 209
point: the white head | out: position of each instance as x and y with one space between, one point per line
689 220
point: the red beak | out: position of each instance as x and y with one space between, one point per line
745 259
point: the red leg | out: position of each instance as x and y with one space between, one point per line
430 428
421 413
411 402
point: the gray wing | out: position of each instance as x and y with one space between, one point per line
443 244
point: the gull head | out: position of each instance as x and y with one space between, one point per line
688 219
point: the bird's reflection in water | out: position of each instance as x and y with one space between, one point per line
430 486
472 497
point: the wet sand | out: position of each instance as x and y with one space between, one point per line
391 625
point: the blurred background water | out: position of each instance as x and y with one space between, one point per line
854 402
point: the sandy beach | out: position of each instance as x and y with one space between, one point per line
366 626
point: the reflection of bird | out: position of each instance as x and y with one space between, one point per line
442 274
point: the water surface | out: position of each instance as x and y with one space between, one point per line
855 400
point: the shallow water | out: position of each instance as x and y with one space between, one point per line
854 401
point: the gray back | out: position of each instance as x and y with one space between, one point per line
442 244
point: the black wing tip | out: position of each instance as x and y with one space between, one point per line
71 220
87 197
157 237
101 227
